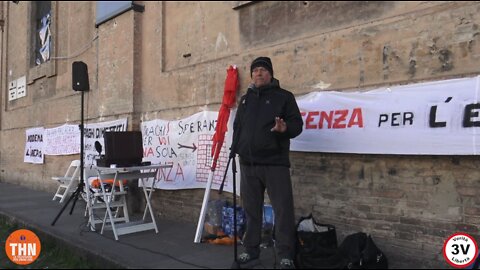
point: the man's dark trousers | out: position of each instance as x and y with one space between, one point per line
276 179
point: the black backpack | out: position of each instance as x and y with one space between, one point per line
360 252
357 251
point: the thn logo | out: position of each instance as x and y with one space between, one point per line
23 247
460 250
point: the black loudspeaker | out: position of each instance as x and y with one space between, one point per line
80 76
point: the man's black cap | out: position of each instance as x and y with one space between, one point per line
262 61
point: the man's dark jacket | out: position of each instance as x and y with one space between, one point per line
252 138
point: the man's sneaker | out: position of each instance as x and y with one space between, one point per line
247 261
287 264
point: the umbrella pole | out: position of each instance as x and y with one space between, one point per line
203 212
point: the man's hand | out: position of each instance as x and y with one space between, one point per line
280 125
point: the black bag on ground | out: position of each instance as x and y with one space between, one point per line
315 241
373 257
357 251
360 252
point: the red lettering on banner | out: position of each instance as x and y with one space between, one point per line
164 173
179 172
148 152
328 117
170 174
164 140
356 118
309 119
340 119
337 119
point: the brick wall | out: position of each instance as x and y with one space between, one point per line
409 204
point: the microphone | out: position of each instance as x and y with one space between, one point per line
101 159
98 147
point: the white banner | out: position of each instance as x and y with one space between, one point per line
186 144
435 118
94 132
34 145
65 139
62 140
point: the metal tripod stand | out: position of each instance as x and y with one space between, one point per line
235 264
81 185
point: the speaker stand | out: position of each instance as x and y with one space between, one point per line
80 186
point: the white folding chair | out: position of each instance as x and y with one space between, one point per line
68 181
95 189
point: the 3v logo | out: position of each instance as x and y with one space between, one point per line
457 249
460 250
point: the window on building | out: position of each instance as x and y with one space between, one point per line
42 12
107 10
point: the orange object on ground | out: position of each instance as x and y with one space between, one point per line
223 241
220 239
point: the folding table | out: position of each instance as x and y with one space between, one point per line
115 198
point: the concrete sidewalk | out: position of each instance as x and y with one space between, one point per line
172 247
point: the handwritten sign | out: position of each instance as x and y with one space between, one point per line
62 140
65 140
34 146
186 144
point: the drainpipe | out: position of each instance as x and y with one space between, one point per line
3 85
2 74
2 20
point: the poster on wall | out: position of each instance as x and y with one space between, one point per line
65 139
34 146
186 144
434 118
95 132
62 140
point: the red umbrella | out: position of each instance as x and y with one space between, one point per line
229 97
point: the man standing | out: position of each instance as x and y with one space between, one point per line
267 118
